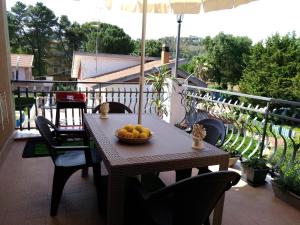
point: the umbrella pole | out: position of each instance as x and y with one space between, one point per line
142 62
179 20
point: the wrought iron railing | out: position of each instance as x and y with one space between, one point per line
255 125
33 98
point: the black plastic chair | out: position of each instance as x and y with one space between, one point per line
215 135
216 132
74 158
114 107
188 202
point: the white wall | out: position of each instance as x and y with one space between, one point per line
175 108
105 65
21 75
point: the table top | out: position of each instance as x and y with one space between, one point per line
168 148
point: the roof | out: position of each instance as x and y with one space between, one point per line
22 60
90 65
127 74
191 79
133 72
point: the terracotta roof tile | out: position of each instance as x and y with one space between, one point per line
24 60
135 70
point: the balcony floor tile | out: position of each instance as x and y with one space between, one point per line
25 191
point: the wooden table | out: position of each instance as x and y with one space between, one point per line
169 149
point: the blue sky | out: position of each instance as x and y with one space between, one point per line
257 20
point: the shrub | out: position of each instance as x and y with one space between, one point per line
290 177
256 163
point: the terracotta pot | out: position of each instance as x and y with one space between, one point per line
232 161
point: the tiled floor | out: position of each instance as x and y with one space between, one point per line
25 189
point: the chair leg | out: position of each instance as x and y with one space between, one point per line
182 174
207 222
203 170
85 172
61 175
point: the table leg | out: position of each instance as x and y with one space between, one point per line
86 142
116 200
218 211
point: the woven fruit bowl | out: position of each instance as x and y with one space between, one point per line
134 134
135 141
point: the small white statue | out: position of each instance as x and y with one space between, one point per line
104 109
198 133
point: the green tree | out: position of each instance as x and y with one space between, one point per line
16 25
225 54
32 29
111 38
71 37
273 68
152 48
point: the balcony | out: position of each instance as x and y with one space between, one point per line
25 190
254 126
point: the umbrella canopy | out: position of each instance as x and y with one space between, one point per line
166 6
175 6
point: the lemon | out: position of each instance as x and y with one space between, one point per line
122 132
139 128
129 127
143 135
135 134
147 131
129 135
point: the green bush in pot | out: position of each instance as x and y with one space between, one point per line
233 155
287 186
290 177
254 170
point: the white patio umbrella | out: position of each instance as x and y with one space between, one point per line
167 6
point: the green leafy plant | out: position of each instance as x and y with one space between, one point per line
159 84
66 87
232 151
256 163
290 177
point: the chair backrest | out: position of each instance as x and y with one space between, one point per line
44 126
192 200
114 107
215 131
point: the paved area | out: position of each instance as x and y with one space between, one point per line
25 190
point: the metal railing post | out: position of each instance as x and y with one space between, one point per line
264 130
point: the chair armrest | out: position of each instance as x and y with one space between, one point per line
60 131
150 183
71 148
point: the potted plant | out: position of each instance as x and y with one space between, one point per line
254 170
287 186
234 155
159 84
69 93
